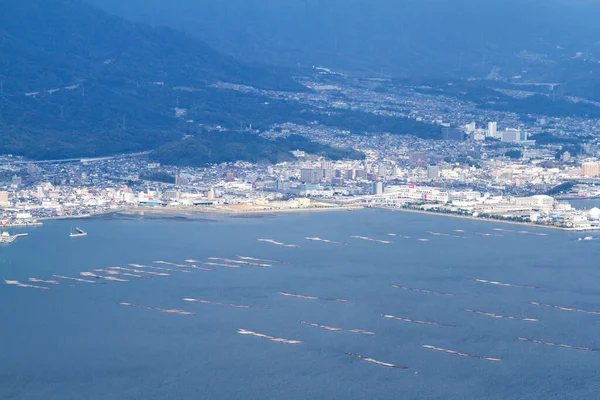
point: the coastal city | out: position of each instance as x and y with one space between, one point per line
489 165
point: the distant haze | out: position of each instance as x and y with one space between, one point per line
403 37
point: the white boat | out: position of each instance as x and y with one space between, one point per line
587 238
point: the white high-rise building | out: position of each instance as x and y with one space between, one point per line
492 131
4 198
377 187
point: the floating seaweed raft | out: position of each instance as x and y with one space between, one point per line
505 284
422 290
565 346
334 329
218 303
163 310
500 316
271 338
68 278
418 322
299 296
368 239
50 282
24 285
456 353
261 259
535 303
242 262
373 361
318 239
276 243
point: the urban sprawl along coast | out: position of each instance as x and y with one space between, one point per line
488 165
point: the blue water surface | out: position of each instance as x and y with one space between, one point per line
75 340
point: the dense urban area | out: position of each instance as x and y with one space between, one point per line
485 163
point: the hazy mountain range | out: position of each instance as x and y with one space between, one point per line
535 39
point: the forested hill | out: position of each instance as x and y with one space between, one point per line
47 43
76 81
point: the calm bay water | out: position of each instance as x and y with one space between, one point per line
76 341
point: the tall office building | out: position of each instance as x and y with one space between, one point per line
310 175
328 174
433 172
453 134
590 168
381 170
326 165
4 198
513 135
377 187
210 195
492 130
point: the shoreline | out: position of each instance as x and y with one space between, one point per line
188 211
232 211
499 221
199 211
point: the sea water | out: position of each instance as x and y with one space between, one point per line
76 341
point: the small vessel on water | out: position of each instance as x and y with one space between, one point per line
587 238
78 232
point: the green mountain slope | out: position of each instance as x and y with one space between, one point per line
76 81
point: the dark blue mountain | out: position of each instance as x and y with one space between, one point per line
535 39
